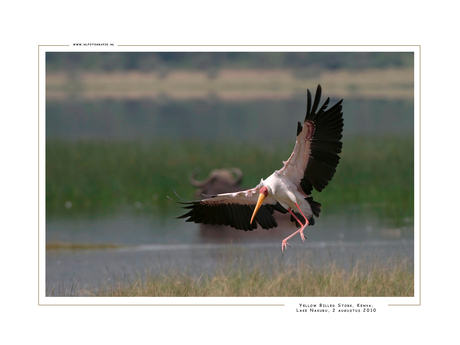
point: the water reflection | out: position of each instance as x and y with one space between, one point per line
128 230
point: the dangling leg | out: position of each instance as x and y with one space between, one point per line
285 243
302 228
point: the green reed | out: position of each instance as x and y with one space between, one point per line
97 177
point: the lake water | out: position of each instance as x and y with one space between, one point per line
148 244
151 247
211 119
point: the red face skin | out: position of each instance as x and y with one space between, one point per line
263 193
264 190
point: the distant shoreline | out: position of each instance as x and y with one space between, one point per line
231 84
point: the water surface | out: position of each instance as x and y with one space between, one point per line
149 247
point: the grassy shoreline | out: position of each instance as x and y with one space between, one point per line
365 279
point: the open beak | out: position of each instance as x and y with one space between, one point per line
259 203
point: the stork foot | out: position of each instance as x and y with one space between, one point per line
284 243
302 236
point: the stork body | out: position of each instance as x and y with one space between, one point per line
311 165
285 192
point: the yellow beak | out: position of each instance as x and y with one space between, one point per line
259 203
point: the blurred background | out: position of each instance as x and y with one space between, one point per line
125 129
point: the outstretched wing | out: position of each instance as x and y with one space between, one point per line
234 209
313 162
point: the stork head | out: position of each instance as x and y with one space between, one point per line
263 193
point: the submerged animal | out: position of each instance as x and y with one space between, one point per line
218 181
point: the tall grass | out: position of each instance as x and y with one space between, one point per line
98 177
373 279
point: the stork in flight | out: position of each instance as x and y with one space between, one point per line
312 164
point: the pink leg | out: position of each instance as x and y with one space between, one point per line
306 223
297 219
285 243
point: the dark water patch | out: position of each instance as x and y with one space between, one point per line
213 119
127 229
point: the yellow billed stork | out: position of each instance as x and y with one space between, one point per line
312 164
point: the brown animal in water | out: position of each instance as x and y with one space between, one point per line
218 181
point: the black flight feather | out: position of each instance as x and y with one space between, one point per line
325 143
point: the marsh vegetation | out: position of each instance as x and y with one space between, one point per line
98 177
